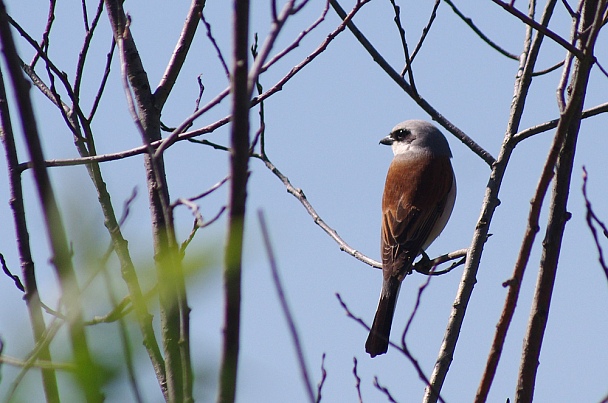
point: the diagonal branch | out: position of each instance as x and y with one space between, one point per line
179 54
400 81
479 33
540 28
288 316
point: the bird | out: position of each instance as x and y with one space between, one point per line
419 195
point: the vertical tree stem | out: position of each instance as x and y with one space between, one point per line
174 311
490 203
239 159
32 298
568 125
87 373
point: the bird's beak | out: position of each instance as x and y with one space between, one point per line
387 141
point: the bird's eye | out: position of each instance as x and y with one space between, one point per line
400 134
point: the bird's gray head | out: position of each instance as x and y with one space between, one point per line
417 136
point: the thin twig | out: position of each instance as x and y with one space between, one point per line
264 52
591 217
323 378
196 226
423 266
12 276
220 56
406 53
398 347
539 27
85 47
428 266
377 57
479 33
384 390
552 124
104 80
299 194
298 39
357 380
42 364
405 350
425 32
44 44
285 308
180 52
42 344
548 70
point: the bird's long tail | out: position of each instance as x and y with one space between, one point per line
377 341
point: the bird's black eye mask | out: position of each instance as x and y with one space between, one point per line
401 134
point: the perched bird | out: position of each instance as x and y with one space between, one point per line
418 198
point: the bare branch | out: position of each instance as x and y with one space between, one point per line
220 56
44 44
37 352
178 132
275 28
323 378
239 162
514 283
31 295
195 228
85 47
62 262
548 70
298 39
568 128
406 52
425 32
175 378
384 390
591 218
403 347
104 80
428 266
285 308
42 364
539 27
10 275
357 380
479 33
552 124
299 194
527 62
179 54
469 142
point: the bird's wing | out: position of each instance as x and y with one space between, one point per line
411 208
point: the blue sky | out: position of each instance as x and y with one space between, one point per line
322 131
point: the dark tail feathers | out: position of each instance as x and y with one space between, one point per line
377 341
